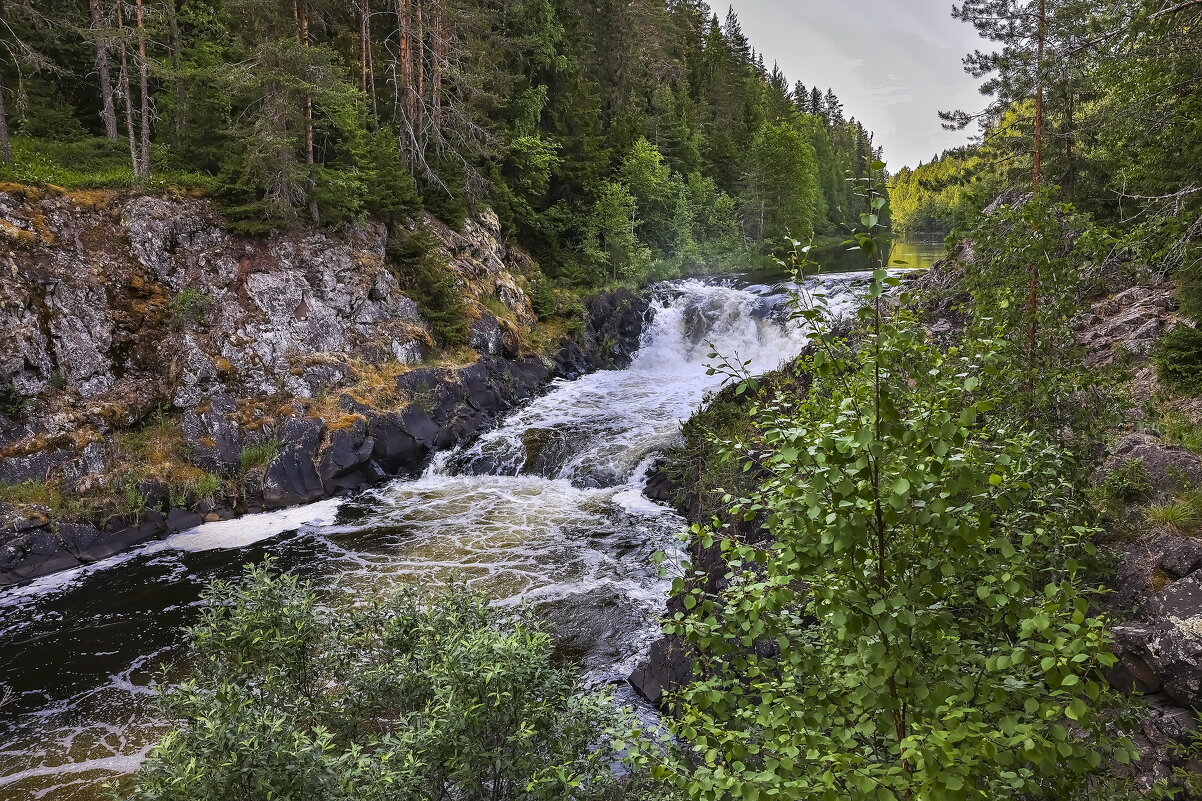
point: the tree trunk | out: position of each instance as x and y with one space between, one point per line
107 112
6 151
144 90
363 44
439 48
371 63
1037 147
302 31
1036 181
405 58
125 91
419 38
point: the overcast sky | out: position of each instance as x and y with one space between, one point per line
893 63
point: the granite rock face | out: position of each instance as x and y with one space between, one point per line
119 311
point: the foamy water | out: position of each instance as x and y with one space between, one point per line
547 509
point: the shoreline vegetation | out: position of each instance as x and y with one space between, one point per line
951 551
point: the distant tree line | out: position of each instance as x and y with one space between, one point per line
617 139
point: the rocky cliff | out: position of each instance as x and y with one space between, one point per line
157 370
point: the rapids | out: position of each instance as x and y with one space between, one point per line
546 509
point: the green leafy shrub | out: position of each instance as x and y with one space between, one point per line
917 623
190 307
1129 483
408 697
1178 359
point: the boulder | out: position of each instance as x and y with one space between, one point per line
1171 468
403 440
34 553
183 519
291 478
216 439
346 460
666 668
1163 651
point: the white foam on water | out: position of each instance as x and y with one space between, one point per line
546 510
249 529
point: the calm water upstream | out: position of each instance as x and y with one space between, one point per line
546 509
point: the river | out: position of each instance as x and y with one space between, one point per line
547 509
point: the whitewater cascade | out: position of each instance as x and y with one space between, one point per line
546 509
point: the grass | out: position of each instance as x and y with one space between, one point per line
259 454
1175 515
32 493
1176 429
92 163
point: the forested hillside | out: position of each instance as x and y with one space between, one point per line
1118 111
616 139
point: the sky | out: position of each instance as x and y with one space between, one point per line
895 64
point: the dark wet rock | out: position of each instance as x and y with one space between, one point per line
34 553
570 360
666 668
660 486
291 478
34 467
153 525
403 440
614 326
183 519
346 459
304 433
216 439
1163 650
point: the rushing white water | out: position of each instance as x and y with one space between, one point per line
547 509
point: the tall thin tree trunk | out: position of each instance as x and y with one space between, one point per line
107 112
439 41
1070 144
302 26
144 90
1037 148
125 91
363 46
419 39
6 151
1036 181
371 66
405 57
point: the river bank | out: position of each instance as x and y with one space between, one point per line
1151 568
164 372
546 508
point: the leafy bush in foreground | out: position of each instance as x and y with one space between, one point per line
918 624
403 699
